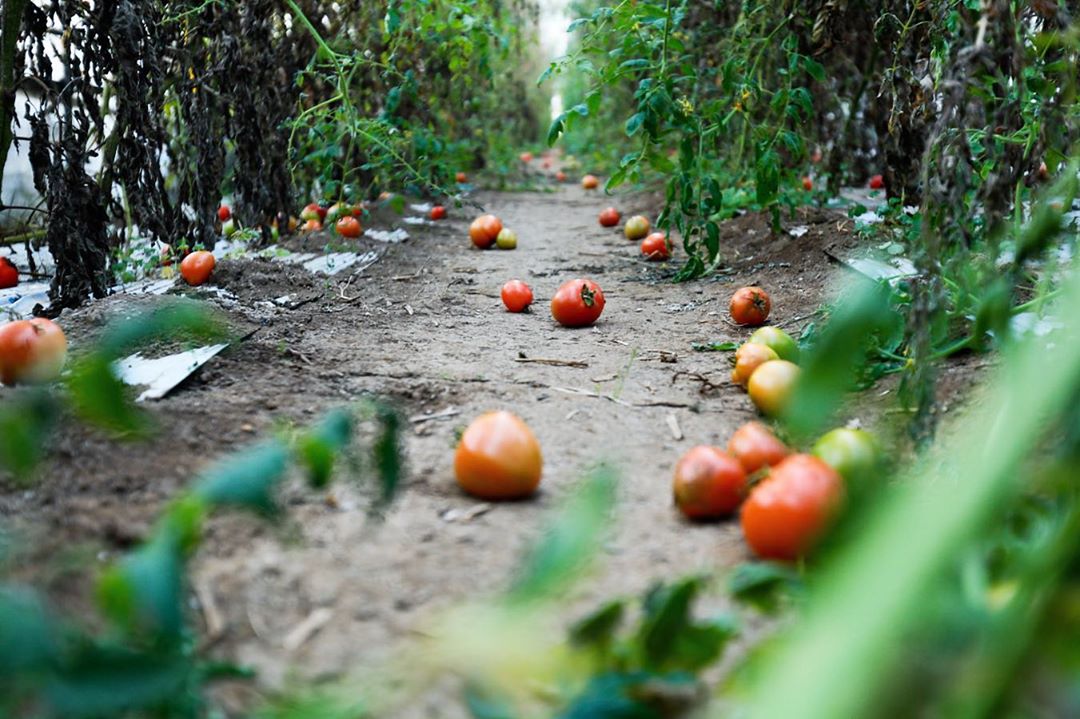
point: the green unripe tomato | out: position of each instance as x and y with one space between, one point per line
780 342
854 453
507 239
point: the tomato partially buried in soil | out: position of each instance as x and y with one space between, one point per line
789 511
498 458
578 303
708 483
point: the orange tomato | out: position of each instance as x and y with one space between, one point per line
349 226
484 230
807 184
748 358
708 483
788 512
578 303
438 212
755 446
771 385
526 157
498 458
196 267
750 306
31 351
461 177
590 182
311 226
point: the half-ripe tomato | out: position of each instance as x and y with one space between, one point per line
590 182
750 306
461 177
560 176
708 483
526 157
772 384
311 226
484 230
609 217
9 274
349 226
507 239
755 446
656 247
498 458
516 295
224 213
748 358
877 182
196 267
438 212
788 512
853 453
780 341
31 351
578 303
166 255
637 227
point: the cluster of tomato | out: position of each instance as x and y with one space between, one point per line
344 218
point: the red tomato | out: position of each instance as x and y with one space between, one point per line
498 458
196 267
792 508
578 303
526 157
349 226
313 212
224 213
656 247
590 182
748 358
560 176
609 217
438 212
461 177
708 483
31 351
637 227
516 295
755 446
9 274
484 230
877 182
750 306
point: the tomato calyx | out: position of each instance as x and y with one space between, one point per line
588 297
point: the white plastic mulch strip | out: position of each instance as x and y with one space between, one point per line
161 375
336 262
390 236
423 207
18 302
894 269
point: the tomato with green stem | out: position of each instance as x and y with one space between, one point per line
577 303
750 306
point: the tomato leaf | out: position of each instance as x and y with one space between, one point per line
246 479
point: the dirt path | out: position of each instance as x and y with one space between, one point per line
427 329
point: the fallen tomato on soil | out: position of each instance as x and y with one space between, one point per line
781 342
349 226
484 230
877 182
772 384
590 182
560 176
507 239
516 295
31 351
637 227
224 213
748 358
791 509
750 306
578 303
609 217
853 453
526 157
708 483
498 458
656 247
438 212
9 274
196 267
755 446
461 177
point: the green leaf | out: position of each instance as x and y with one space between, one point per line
101 399
598 629
387 452
26 419
318 448
246 479
715 347
27 640
142 592
609 696
763 584
633 125
558 127
100 681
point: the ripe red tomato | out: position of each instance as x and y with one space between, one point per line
656 247
560 176
498 458
516 295
708 483
31 351
224 213
750 306
438 212
196 267
484 230
349 226
526 157
578 303
877 182
637 227
807 184
9 274
590 182
461 177
755 446
771 385
748 358
609 217
791 509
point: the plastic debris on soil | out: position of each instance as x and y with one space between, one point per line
392 237
18 302
161 375
336 262
895 269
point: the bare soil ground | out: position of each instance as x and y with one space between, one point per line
425 328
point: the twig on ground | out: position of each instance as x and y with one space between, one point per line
553 362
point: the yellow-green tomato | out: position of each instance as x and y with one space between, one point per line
853 453
507 239
781 342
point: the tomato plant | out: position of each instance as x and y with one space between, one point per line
197 266
31 351
756 447
789 511
498 458
750 306
516 295
577 303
